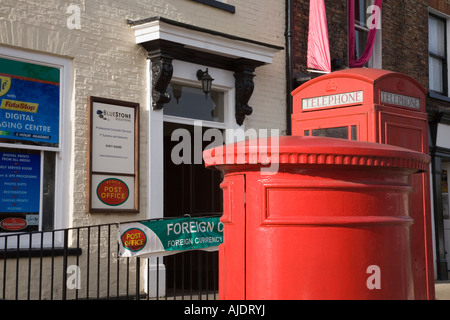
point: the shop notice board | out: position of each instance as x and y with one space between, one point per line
113 162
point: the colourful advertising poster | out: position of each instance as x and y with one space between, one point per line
29 103
19 190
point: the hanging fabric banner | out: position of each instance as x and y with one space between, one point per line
372 24
318 43
169 236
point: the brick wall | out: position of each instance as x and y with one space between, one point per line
440 5
404 35
337 31
405 38
300 12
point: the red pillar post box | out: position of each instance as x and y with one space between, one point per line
383 107
332 221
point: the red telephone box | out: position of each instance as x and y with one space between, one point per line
378 106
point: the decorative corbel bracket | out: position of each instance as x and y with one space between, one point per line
243 75
162 71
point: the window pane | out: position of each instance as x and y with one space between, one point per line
354 130
436 75
361 41
436 38
48 194
340 132
190 102
361 15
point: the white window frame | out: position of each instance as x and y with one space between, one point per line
447 18
376 60
184 73
63 181
160 29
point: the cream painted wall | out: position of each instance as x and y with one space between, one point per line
107 63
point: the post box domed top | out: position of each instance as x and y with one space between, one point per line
359 86
296 150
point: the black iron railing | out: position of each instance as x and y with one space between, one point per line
83 263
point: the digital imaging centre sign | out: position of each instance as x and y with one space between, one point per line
29 103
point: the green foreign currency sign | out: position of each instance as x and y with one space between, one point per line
166 237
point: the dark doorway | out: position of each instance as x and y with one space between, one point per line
190 189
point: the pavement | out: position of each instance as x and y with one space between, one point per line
442 289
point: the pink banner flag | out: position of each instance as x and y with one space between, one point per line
318 43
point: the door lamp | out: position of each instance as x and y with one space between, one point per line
206 80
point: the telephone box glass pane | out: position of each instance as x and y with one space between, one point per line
354 133
340 132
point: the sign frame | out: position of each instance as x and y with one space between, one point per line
333 101
399 100
117 150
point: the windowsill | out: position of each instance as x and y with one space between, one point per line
438 96
218 5
37 253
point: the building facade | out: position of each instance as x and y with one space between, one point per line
73 75
99 54
412 38
66 67
438 104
